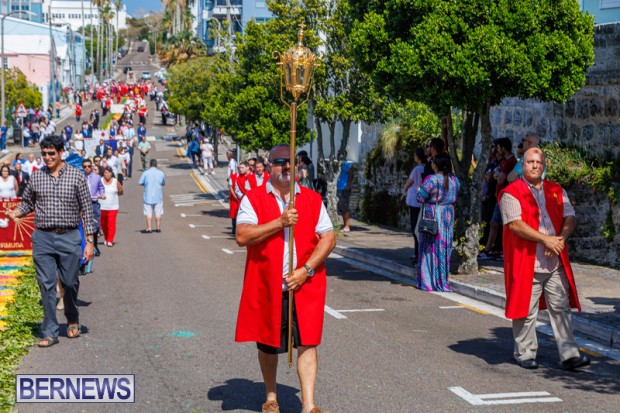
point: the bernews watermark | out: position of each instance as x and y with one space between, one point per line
75 388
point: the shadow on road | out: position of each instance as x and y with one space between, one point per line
600 377
494 351
243 394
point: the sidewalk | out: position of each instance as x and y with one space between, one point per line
389 250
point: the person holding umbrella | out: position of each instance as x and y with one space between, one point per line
264 224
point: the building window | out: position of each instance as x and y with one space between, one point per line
5 62
610 4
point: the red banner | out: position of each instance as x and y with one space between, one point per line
15 235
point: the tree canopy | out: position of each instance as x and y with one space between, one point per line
473 53
19 90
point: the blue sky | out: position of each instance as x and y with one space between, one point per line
137 8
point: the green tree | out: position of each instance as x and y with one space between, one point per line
471 54
189 84
19 90
344 93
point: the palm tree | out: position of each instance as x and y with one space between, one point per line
117 4
99 4
106 14
181 48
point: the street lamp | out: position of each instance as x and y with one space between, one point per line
297 67
2 78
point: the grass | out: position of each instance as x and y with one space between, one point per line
22 321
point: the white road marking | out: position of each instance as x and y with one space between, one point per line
504 398
334 313
205 236
151 138
200 225
230 252
190 215
499 312
362 310
452 307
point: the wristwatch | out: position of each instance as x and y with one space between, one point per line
90 240
310 270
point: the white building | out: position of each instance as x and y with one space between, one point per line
71 12
31 47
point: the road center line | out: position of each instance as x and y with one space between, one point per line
200 225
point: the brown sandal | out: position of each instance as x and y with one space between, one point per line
76 328
48 341
271 406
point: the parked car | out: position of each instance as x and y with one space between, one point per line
127 69
146 75
141 49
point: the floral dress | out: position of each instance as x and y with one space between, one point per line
435 250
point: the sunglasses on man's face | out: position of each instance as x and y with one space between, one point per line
87 166
280 161
48 153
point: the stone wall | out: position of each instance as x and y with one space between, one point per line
588 243
588 120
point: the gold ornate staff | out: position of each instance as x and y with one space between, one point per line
297 67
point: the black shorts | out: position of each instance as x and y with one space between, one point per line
284 330
343 201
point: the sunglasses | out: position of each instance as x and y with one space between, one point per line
48 153
87 166
280 161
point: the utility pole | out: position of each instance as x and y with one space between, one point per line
92 58
83 68
230 41
52 74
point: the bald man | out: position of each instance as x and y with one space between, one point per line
538 219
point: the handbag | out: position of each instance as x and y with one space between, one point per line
429 226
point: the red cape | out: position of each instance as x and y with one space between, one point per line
520 254
260 308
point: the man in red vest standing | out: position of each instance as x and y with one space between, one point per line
263 225
259 177
538 219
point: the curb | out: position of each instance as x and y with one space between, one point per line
596 331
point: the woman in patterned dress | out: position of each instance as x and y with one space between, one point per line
438 193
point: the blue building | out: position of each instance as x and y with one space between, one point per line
214 13
33 6
604 11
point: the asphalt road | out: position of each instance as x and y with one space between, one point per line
163 307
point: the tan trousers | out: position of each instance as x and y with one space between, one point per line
556 289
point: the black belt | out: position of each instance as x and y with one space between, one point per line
58 230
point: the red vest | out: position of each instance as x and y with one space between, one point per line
520 254
251 178
261 300
241 183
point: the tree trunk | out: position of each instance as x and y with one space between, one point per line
329 167
470 197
